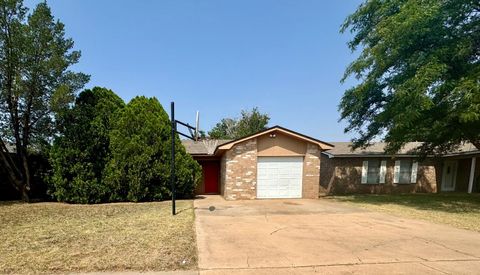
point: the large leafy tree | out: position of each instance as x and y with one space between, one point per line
140 142
82 149
225 129
249 123
418 72
35 81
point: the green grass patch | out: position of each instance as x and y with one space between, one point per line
457 209
58 237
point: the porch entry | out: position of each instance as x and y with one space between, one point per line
211 172
449 175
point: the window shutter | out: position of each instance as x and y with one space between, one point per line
383 171
364 171
413 177
396 172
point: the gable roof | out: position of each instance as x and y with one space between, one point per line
323 145
209 147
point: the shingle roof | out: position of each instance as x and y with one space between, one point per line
203 147
208 146
465 148
344 149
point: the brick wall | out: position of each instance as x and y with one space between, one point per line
343 176
223 174
311 172
239 171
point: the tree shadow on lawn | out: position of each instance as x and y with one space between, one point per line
444 202
7 203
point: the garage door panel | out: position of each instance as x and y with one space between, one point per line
279 177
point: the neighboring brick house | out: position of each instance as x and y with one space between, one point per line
280 163
369 170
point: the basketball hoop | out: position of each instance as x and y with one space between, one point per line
193 131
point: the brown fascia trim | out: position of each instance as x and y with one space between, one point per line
204 155
271 129
200 155
396 156
462 154
329 155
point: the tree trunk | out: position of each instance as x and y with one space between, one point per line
26 178
25 193
21 181
8 162
15 175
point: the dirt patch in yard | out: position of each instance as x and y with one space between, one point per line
57 237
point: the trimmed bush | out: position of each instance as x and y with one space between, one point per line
79 155
139 169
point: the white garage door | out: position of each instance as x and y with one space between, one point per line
279 177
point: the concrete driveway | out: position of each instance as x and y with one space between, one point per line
308 236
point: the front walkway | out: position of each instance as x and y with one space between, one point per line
307 236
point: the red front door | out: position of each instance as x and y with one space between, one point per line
211 171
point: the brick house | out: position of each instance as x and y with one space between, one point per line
369 170
274 163
281 163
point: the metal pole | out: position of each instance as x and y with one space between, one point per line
172 164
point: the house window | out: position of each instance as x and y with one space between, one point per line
405 171
373 172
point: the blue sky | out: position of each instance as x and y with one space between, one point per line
218 56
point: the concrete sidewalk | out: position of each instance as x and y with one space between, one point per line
447 267
308 236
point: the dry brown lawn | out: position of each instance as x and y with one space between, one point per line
57 237
456 209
